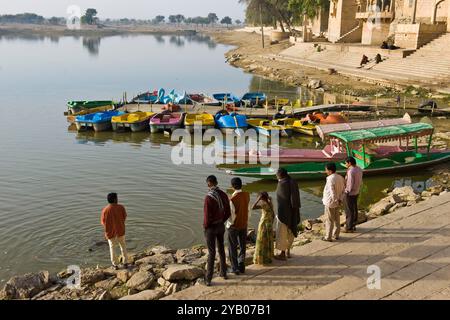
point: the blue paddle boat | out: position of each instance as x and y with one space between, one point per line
225 98
254 99
232 122
100 121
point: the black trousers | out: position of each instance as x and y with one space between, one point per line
351 211
215 235
237 239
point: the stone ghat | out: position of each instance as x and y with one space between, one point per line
159 271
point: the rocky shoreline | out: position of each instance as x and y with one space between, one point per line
160 271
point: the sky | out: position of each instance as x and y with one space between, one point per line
138 9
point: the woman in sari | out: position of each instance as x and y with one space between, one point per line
265 240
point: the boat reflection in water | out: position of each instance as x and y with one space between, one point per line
134 139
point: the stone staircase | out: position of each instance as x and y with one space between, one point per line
431 62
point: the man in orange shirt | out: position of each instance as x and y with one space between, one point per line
237 226
113 219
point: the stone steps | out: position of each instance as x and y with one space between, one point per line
431 61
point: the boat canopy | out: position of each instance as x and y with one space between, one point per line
327 129
376 134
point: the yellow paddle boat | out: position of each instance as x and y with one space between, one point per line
299 126
266 127
206 121
304 127
136 121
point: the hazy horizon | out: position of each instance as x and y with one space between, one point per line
137 9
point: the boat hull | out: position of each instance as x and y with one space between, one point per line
190 128
133 127
97 127
314 171
155 128
306 131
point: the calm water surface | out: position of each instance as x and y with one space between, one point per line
53 181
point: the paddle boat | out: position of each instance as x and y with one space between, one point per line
254 99
203 99
182 99
100 121
279 102
71 118
298 126
230 122
308 125
165 99
267 127
367 146
77 106
146 97
136 121
206 121
167 121
227 98
333 151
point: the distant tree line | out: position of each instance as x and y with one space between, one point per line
90 18
24 18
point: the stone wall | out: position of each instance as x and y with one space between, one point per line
342 19
320 23
404 10
414 36
375 34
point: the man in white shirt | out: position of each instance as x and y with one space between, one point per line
333 195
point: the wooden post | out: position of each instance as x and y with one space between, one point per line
364 154
430 140
414 12
262 26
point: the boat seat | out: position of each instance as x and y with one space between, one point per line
166 118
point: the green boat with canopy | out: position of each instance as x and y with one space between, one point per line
379 150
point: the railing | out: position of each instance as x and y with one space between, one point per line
350 32
374 15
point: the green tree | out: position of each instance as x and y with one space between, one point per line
226 20
54 21
90 17
172 19
180 18
238 22
270 12
303 9
213 18
159 19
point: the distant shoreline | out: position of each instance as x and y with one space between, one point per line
62 30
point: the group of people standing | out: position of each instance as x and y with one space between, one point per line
222 213
231 214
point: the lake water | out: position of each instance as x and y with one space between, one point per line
53 181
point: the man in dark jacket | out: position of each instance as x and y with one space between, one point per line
288 213
216 211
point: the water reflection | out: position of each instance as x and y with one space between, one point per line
135 139
92 45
